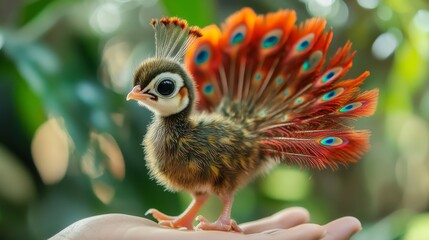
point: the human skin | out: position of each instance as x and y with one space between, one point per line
288 224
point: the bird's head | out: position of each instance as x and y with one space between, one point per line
162 84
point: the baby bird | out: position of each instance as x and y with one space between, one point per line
246 98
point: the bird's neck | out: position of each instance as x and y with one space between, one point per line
178 121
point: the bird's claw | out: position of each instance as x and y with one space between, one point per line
230 226
172 224
159 215
169 221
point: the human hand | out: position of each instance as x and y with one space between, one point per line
288 224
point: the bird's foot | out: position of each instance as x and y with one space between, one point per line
158 215
227 226
179 222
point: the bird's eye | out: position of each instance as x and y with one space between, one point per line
165 87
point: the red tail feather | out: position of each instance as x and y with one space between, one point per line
271 71
318 148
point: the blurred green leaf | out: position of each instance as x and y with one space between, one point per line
390 227
36 63
33 116
43 20
418 228
400 6
12 171
199 13
409 67
32 9
287 184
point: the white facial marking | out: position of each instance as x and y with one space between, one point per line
166 87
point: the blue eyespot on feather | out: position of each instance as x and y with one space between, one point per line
312 61
270 41
286 93
238 35
305 42
279 80
306 65
331 94
303 45
351 106
331 141
258 77
208 89
271 38
299 100
237 38
284 118
202 56
330 75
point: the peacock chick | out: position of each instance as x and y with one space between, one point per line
246 98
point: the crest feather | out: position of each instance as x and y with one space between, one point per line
173 37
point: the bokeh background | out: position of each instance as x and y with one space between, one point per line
70 145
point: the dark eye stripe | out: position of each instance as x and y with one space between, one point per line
153 96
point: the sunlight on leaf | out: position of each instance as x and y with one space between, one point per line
418 228
106 18
287 184
50 150
103 191
413 142
16 184
103 154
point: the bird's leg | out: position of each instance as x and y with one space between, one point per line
186 218
224 222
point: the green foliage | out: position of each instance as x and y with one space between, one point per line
195 12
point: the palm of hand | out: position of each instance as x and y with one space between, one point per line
288 224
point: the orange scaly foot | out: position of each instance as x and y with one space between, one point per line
158 215
224 222
170 221
219 225
185 219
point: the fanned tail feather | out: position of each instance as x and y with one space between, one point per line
317 149
300 105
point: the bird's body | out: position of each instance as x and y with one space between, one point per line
205 153
251 96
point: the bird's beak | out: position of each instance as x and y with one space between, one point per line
137 94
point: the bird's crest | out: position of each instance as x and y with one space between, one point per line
173 37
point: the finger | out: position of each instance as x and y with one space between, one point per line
307 231
101 227
284 219
342 228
